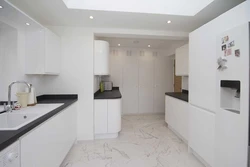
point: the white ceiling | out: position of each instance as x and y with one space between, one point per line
143 43
55 13
170 7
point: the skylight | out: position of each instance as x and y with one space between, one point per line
168 7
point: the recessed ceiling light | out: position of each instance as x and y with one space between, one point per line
1 7
91 17
119 44
27 24
149 46
169 21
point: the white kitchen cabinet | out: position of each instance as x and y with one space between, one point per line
201 133
146 83
101 57
162 73
176 115
107 118
114 115
129 81
101 113
43 52
182 61
50 141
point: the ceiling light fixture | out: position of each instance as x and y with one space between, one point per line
27 24
169 21
91 17
119 44
1 7
149 46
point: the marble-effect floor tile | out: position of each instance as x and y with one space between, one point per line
145 140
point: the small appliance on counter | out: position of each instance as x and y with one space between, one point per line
108 85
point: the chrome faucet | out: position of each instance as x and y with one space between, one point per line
9 106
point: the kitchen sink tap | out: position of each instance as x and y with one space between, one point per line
9 106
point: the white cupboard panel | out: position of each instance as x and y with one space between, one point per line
146 83
176 115
101 116
163 81
101 57
114 115
43 52
182 61
52 53
35 51
53 137
130 84
202 133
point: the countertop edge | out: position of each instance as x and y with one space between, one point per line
185 99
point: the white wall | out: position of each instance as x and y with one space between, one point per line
184 83
76 74
12 62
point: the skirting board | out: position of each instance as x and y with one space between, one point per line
106 136
177 134
191 151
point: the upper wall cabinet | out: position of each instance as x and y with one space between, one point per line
43 52
101 57
181 59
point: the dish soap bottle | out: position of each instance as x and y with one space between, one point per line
101 86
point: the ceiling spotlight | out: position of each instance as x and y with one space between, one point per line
1 7
91 17
169 21
27 24
119 44
149 46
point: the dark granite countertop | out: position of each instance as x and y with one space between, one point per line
9 137
112 94
179 95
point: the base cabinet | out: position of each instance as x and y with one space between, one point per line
48 144
201 133
107 118
176 115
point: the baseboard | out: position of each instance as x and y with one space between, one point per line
179 135
106 136
191 151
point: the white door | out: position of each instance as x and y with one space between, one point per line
163 72
146 82
130 83
101 116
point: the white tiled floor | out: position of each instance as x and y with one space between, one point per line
145 141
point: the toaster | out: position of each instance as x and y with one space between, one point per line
108 85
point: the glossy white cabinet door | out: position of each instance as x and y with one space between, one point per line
146 83
182 61
202 133
163 75
35 51
101 57
130 84
176 115
48 144
43 52
114 115
101 116
52 53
